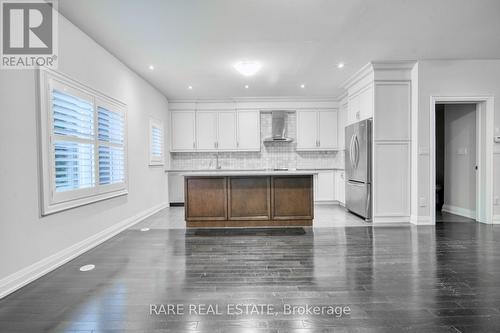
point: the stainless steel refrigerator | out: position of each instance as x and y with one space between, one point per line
358 168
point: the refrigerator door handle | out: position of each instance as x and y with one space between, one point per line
351 151
356 149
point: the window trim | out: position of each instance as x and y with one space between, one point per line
154 161
52 201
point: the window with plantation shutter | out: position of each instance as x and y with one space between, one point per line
156 138
83 141
111 149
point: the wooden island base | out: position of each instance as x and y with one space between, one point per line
249 201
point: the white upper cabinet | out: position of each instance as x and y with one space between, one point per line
226 130
328 131
360 105
248 130
342 121
215 130
183 131
206 130
317 130
307 130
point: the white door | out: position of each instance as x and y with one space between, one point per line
183 130
307 130
226 130
326 186
328 130
249 130
206 130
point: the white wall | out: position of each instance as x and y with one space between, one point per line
454 78
25 237
460 158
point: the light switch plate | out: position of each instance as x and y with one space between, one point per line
497 139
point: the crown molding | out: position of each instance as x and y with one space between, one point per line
258 99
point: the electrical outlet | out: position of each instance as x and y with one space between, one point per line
423 202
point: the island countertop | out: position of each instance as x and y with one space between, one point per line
228 173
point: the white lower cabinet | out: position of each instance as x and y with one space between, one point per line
340 186
324 186
175 187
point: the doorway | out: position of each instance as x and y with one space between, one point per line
483 168
456 162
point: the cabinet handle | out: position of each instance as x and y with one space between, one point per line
194 144
215 144
237 144
319 143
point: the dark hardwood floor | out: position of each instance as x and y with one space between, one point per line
393 279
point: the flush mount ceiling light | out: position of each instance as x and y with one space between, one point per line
151 67
144 229
247 68
302 86
87 268
190 87
247 86
340 65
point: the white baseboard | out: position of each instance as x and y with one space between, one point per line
390 219
471 214
420 220
28 274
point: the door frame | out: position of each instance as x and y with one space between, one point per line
484 153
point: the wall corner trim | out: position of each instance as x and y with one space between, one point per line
30 273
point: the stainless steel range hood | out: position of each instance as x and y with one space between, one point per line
280 127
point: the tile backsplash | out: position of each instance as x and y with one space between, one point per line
272 154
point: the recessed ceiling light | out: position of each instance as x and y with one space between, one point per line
87 268
151 67
247 86
247 68
190 87
144 229
340 65
302 86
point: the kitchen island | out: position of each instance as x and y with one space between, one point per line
248 199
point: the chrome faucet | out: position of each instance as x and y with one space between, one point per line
217 165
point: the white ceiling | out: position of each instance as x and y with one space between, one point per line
195 42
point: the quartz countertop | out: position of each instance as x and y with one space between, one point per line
250 173
314 170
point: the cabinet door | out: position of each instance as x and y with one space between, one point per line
175 187
183 130
326 186
206 130
249 130
226 130
340 186
353 114
366 104
327 138
342 121
307 130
